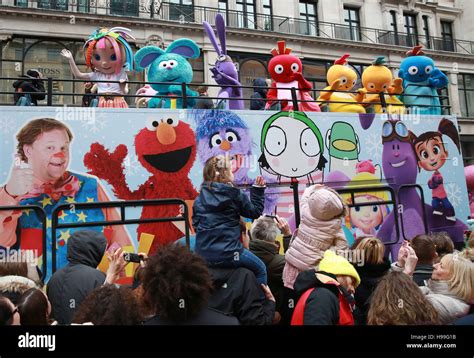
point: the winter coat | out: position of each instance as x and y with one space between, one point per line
322 306
422 274
236 293
205 317
258 98
29 85
68 287
448 306
216 219
268 253
370 275
322 214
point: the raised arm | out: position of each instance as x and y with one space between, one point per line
74 69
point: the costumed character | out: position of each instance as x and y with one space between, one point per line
432 155
40 176
421 80
172 69
378 78
167 149
109 55
221 132
286 72
400 166
224 71
342 78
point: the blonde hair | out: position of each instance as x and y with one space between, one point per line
373 250
218 169
461 283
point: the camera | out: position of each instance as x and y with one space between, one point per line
131 257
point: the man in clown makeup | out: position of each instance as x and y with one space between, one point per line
40 176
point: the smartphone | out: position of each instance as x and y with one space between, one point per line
131 257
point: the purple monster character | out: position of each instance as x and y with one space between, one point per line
399 164
221 132
224 71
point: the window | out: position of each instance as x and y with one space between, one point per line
466 94
447 36
223 9
21 3
393 23
411 30
246 16
83 6
181 10
268 15
351 18
426 31
391 37
124 7
52 4
309 19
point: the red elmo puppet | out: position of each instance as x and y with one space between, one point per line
167 149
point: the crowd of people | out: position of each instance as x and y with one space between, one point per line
236 276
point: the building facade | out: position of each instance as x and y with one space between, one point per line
33 32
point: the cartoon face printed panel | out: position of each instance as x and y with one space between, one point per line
162 151
292 145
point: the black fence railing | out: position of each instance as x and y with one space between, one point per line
41 214
55 225
50 94
190 14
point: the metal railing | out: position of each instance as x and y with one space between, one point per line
353 191
295 101
55 225
189 14
43 222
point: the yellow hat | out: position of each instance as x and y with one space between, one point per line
338 265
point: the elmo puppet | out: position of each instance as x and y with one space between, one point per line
167 149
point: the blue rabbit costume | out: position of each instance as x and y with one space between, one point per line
170 66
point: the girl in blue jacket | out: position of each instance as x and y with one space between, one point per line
216 218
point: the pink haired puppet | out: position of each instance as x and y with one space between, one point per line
109 55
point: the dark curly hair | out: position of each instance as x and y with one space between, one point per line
109 305
177 283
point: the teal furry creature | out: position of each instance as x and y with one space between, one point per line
170 66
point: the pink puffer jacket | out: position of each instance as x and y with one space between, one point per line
322 214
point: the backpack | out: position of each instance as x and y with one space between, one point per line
345 311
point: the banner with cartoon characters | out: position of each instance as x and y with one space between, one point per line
98 154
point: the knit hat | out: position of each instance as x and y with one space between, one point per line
338 265
325 204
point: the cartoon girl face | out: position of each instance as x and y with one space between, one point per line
366 218
431 154
105 59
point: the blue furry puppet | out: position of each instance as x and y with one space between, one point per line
222 132
421 79
169 65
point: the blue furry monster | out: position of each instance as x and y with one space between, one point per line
421 79
222 132
169 65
